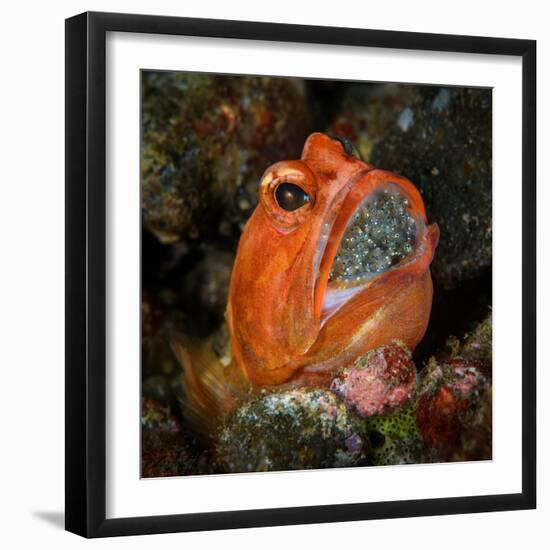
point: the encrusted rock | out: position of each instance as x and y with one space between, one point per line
206 140
164 450
291 430
454 410
379 383
478 345
443 144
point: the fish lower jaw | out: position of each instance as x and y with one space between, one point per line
337 294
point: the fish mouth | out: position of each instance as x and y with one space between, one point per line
377 235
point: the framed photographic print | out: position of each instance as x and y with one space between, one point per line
300 274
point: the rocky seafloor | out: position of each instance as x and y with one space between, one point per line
206 141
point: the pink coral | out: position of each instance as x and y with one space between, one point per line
379 383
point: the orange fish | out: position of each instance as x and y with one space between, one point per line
334 261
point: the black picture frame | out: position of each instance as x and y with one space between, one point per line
86 274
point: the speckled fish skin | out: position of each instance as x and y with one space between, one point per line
290 325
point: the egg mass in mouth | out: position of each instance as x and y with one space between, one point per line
380 235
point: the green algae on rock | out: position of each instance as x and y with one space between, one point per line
394 438
291 430
206 140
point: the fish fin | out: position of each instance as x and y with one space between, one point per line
210 393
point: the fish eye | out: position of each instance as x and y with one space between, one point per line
290 197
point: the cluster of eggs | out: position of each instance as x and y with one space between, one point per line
380 235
